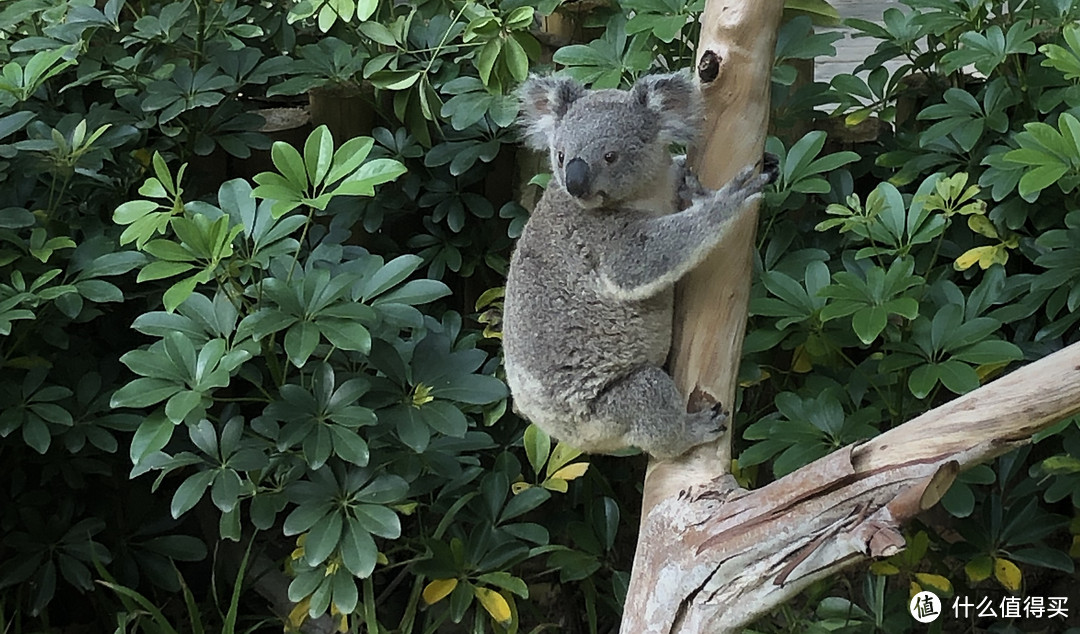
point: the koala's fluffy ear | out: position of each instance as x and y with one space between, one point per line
544 100
674 97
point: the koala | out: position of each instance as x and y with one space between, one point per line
587 315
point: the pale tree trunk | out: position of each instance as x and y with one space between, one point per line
711 556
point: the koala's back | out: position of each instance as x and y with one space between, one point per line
565 341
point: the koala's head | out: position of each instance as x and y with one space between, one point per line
610 146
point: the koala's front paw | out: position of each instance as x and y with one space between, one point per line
689 187
746 184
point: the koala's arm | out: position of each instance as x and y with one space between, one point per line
647 255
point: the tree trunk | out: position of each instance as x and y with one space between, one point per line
734 66
711 556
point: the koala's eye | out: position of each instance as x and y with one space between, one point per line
611 157
561 157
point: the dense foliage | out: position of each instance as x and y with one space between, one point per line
226 348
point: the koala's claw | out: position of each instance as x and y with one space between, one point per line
770 166
707 425
720 416
690 188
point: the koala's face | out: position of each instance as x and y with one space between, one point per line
606 150
610 147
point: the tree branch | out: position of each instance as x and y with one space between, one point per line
733 554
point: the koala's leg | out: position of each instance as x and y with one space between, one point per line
648 410
648 255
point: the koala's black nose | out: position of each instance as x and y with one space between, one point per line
576 177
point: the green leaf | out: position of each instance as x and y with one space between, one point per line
444 418
869 322
348 445
179 292
524 502
958 377
990 351
922 380
507 582
389 275
517 61
474 389
303 517
414 292
12 123
99 291
291 165
486 58
1035 180
378 520
318 154
35 433
133 210
346 335
358 551
144 392
181 404
190 492
395 80
349 157
537 447
377 32
162 269
152 435
300 342
322 538
345 594
369 175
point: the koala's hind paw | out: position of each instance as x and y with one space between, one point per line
707 426
720 415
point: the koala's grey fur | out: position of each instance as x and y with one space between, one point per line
589 296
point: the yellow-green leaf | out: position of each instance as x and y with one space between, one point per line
495 604
883 568
299 613
976 255
988 370
857 117
562 455
979 569
438 590
982 226
800 360
935 582
555 484
571 471
1007 573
